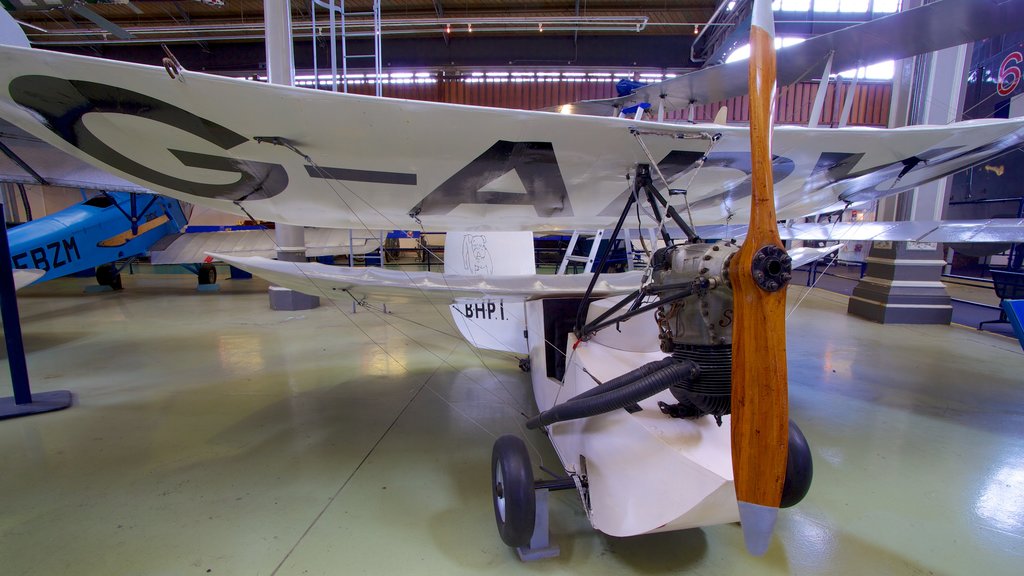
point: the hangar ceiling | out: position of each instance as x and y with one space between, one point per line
62 22
226 35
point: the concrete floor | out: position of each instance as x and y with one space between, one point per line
211 435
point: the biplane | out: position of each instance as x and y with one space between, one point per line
664 392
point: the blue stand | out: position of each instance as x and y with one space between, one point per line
1015 314
23 402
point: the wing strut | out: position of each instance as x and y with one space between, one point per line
581 312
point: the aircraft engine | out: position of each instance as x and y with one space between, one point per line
697 328
694 313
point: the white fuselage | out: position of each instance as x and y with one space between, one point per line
644 471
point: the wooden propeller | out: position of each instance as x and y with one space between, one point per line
759 273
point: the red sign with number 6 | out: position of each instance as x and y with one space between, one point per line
1009 73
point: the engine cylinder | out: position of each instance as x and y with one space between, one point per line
711 393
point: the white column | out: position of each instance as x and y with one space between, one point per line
941 103
290 240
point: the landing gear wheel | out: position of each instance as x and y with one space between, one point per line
799 468
515 503
107 275
207 274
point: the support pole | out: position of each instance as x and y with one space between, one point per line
334 48
290 240
23 402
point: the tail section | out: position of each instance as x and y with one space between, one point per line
11 33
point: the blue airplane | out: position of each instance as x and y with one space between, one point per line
95 233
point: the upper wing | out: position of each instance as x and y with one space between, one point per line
917 31
344 283
348 161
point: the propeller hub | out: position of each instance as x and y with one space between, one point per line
771 268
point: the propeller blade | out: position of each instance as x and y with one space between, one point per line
759 273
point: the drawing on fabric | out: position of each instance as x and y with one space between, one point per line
475 255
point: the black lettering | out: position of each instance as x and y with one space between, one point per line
71 244
535 164
16 259
491 309
469 311
63 104
478 310
502 303
39 259
726 319
54 248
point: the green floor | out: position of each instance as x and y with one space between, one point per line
211 435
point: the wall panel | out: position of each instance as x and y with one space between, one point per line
870 104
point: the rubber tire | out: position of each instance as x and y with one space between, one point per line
513 488
799 468
107 275
207 274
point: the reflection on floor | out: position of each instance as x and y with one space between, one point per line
213 435
973 301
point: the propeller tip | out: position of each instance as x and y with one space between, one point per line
758 523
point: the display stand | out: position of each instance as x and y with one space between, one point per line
23 402
1014 310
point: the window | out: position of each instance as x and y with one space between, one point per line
853 5
796 5
743 52
886 6
881 71
102 201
